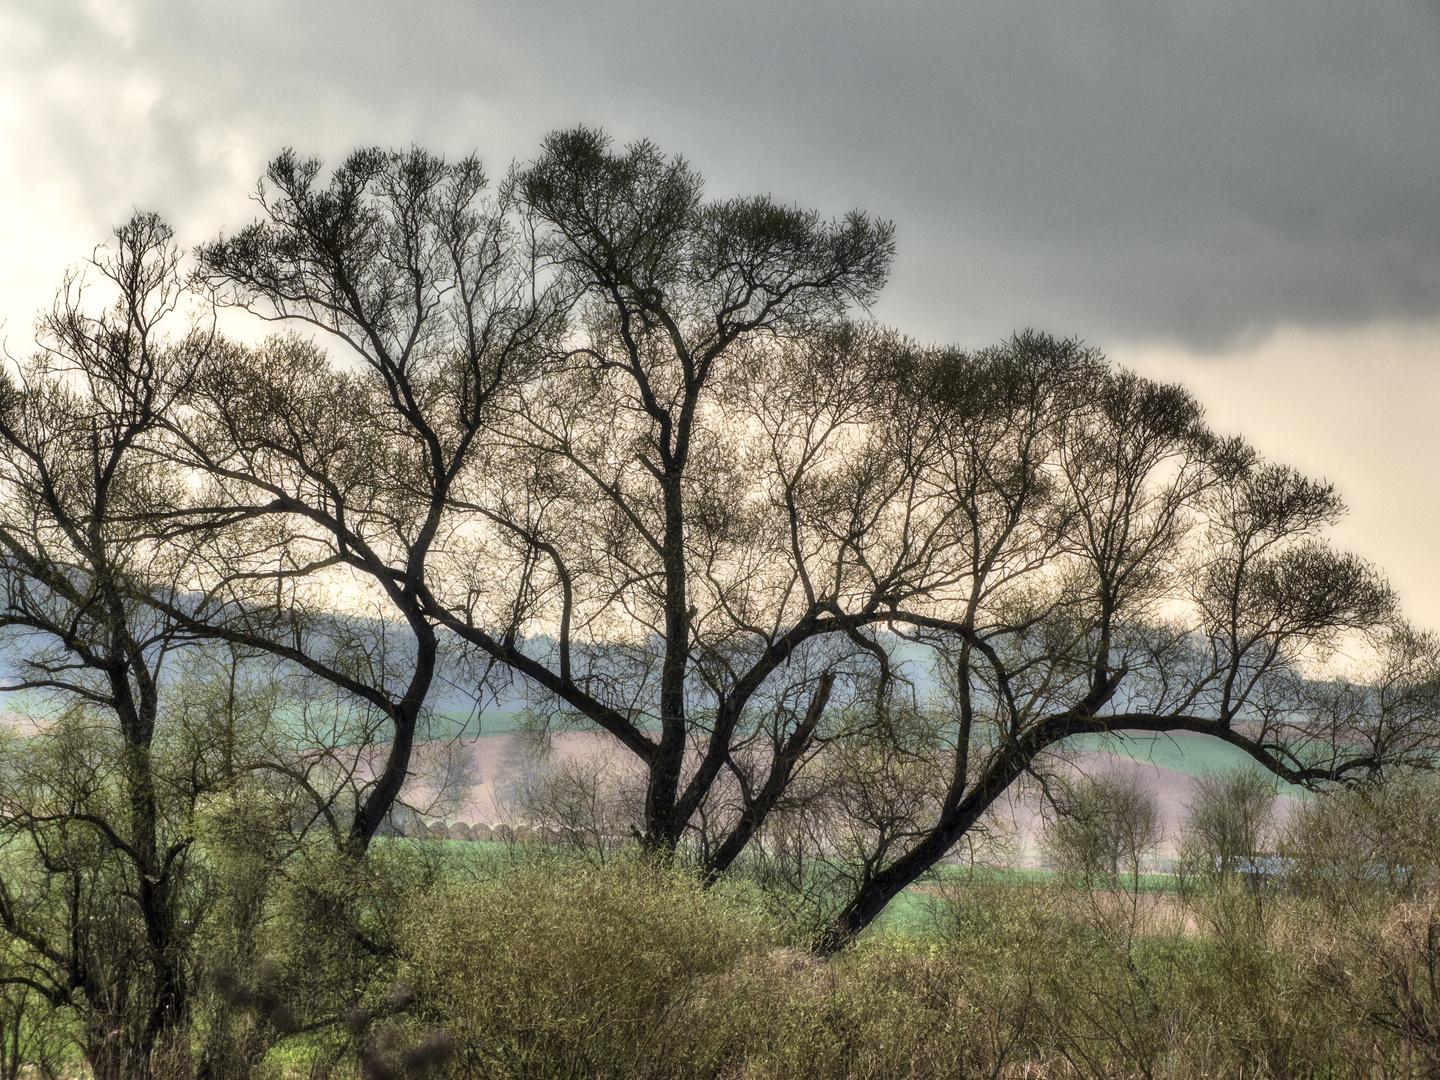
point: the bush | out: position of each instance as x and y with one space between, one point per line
1103 828
561 968
1231 823
1366 863
1379 843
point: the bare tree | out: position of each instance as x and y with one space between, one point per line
101 892
1102 829
1230 825
659 595
725 514
1123 569
328 482
713 519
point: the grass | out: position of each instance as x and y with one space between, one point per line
912 914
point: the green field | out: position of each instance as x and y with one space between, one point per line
1190 754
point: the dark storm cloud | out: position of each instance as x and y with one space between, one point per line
1194 171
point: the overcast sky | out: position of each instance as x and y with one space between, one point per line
1243 196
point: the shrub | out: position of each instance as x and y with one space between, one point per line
1231 822
1102 829
561 968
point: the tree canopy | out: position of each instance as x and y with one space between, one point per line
643 457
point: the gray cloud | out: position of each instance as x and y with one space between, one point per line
1149 169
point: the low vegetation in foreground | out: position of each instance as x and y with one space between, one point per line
493 961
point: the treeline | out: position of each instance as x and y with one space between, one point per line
586 436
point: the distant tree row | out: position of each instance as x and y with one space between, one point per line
588 436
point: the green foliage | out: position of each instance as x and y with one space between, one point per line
1229 827
1375 844
413 962
561 968
34 1035
1366 864
1102 829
